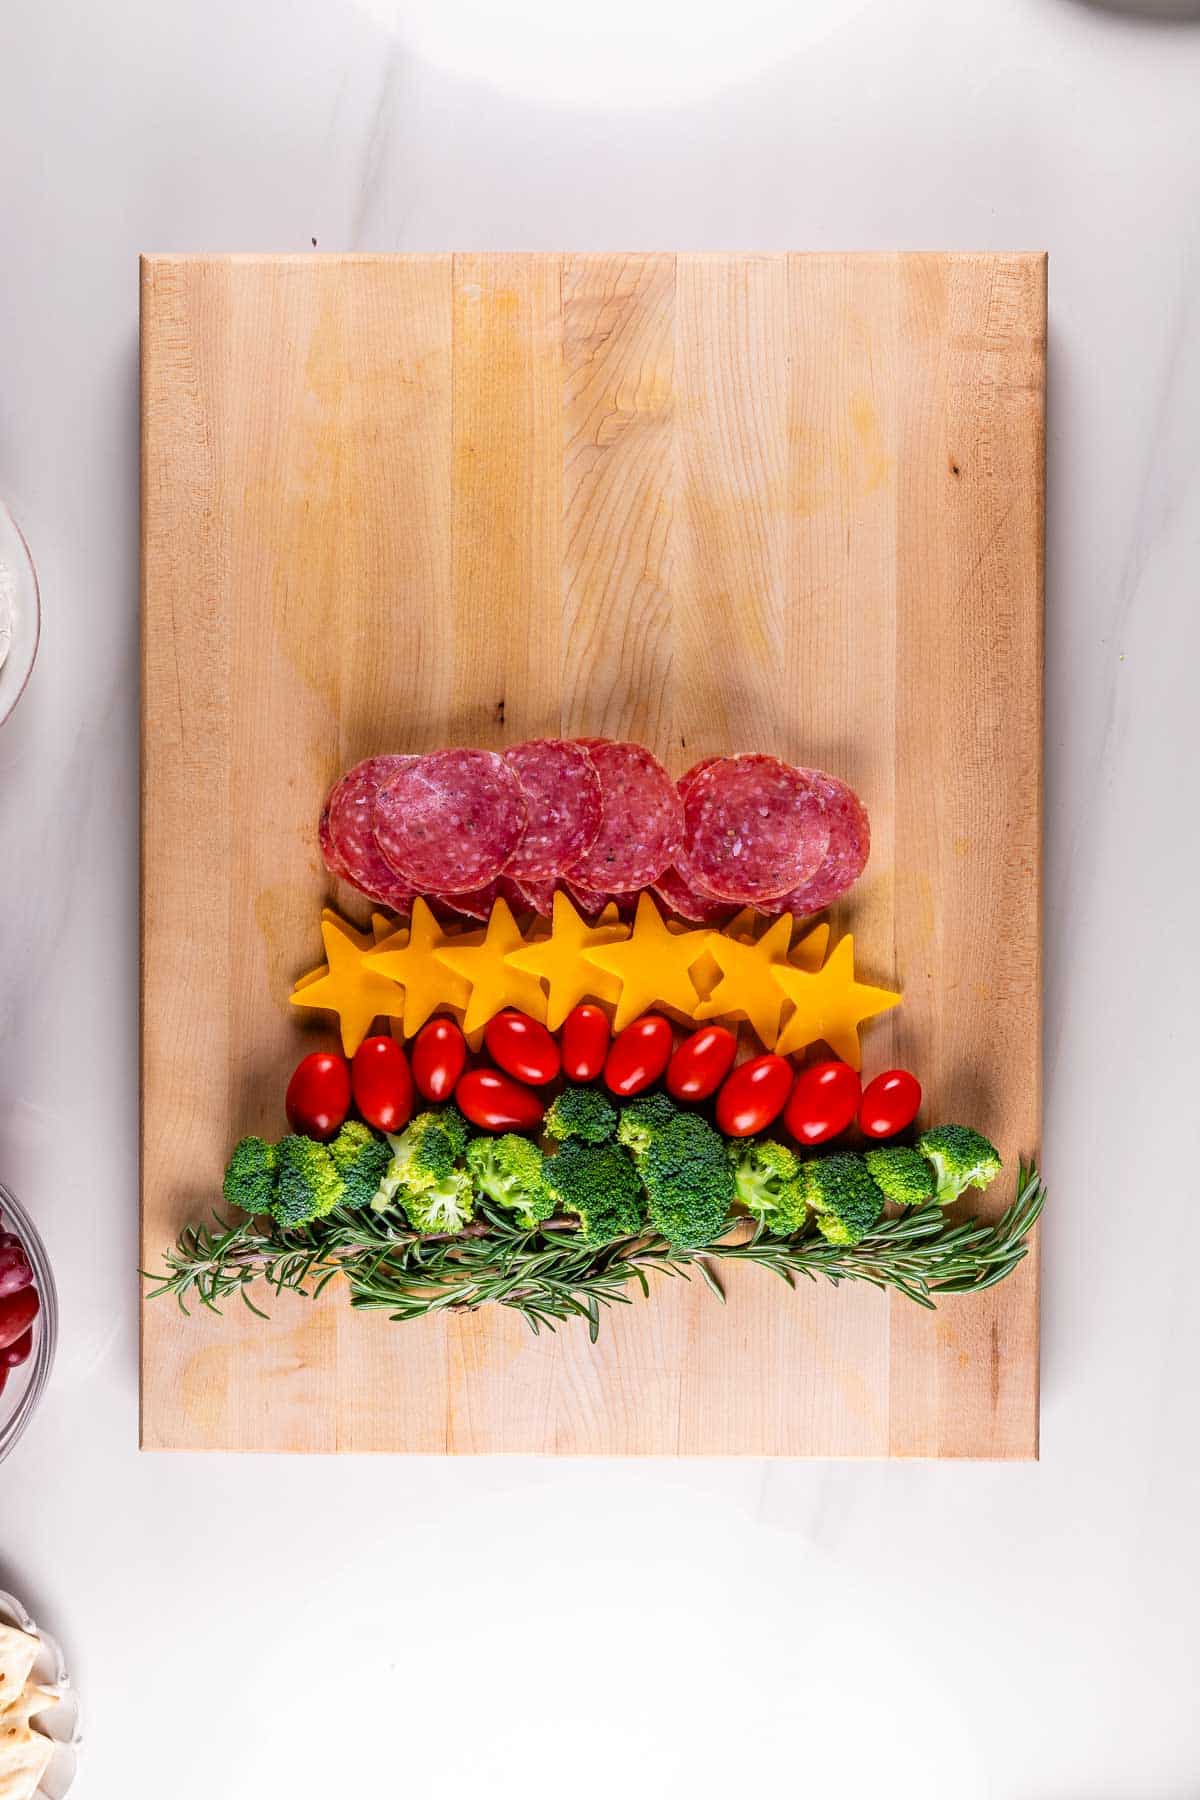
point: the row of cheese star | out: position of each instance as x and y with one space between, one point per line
408 974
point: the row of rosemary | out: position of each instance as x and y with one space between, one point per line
547 1276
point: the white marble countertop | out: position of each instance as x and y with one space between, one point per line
257 1627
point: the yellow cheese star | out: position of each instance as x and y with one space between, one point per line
652 964
746 986
830 1005
427 984
382 928
390 936
356 993
558 959
809 953
494 982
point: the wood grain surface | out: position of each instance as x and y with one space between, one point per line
712 502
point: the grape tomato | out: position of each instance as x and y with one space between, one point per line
318 1095
439 1056
889 1103
754 1095
585 1040
823 1102
523 1048
701 1063
495 1102
382 1084
639 1055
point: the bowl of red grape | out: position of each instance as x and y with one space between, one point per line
28 1320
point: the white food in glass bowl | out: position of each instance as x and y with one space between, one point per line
50 1707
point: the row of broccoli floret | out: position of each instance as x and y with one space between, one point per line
648 1166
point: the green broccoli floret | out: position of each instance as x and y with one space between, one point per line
250 1177
425 1153
642 1118
901 1175
307 1184
511 1171
599 1183
688 1180
442 1206
766 1179
581 1112
361 1157
843 1196
961 1159
455 1128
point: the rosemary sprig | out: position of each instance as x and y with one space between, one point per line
548 1276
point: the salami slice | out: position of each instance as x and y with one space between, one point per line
448 823
678 888
532 895
562 800
642 824
329 855
591 902
676 891
347 825
685 780
846 857
755 828
477 903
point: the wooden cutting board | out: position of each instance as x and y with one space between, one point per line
714 503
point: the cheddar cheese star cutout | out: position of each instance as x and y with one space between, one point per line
427 984
357 993
558 959
830 1005
809 953
746 986
493 981
383 928
652 965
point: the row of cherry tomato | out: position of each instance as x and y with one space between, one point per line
817 1104
19 1305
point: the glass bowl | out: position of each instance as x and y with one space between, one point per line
20 613
59 1723
25 1385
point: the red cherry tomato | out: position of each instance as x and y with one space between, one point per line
496 1102
889 1103
753 1096
318 1095
584 1043
15 1272
638 1055
439 1056
15 1354
382 1083
823 1102
522 1047
17 1313
701 1063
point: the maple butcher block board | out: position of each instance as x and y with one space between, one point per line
788 503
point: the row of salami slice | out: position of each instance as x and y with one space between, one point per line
600 818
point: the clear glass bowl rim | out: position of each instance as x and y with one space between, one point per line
7 707
46 1342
